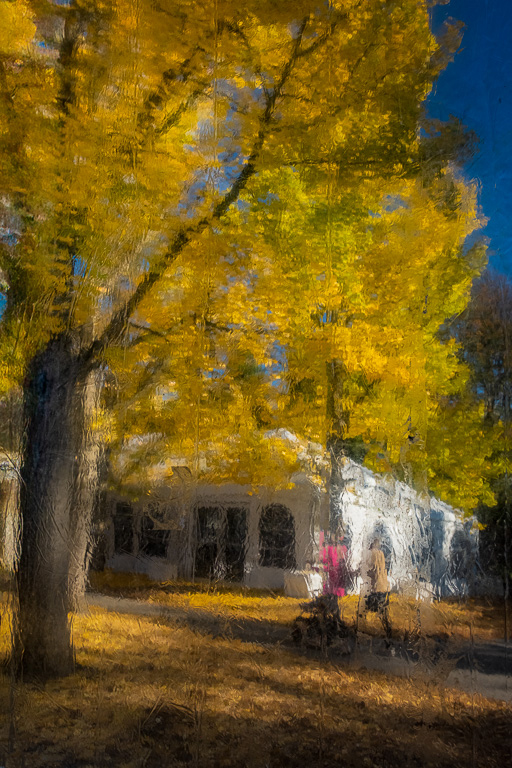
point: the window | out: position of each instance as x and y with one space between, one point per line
420 550
123 528
462 558
209 525
277 537
153 541
221 542
235 543
381 532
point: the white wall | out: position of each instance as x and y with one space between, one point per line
303 501
420 531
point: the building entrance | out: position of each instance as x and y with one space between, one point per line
221 542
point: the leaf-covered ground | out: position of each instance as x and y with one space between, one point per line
147 692
483 620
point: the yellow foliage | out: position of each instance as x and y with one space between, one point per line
17 28
334 246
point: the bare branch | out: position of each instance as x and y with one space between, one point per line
117 325
157 98
148 330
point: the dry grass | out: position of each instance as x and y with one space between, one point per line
483 620
147 693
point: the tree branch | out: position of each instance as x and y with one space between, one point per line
118 323
149 331
158 97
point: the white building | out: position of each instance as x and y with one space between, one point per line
259 537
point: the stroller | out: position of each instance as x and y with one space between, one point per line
319 623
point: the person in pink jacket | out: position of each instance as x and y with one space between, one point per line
333 555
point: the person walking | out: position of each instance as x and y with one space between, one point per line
333 554
378 599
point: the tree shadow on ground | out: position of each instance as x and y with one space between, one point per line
430 652
160 695
168 734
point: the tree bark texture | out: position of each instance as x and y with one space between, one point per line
8 522
58 486
338 422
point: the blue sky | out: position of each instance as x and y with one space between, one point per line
477 88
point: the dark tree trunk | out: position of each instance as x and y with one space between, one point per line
336 485
58 483
338 423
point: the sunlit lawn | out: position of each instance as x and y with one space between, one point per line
149 693
483 620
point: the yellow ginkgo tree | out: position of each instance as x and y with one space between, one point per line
131 135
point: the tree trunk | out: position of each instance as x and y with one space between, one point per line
58 483
8 522
338 422
85 487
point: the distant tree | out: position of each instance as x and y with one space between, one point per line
485 331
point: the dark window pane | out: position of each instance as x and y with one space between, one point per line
153 542
209 526
236 533
123 528
277 537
